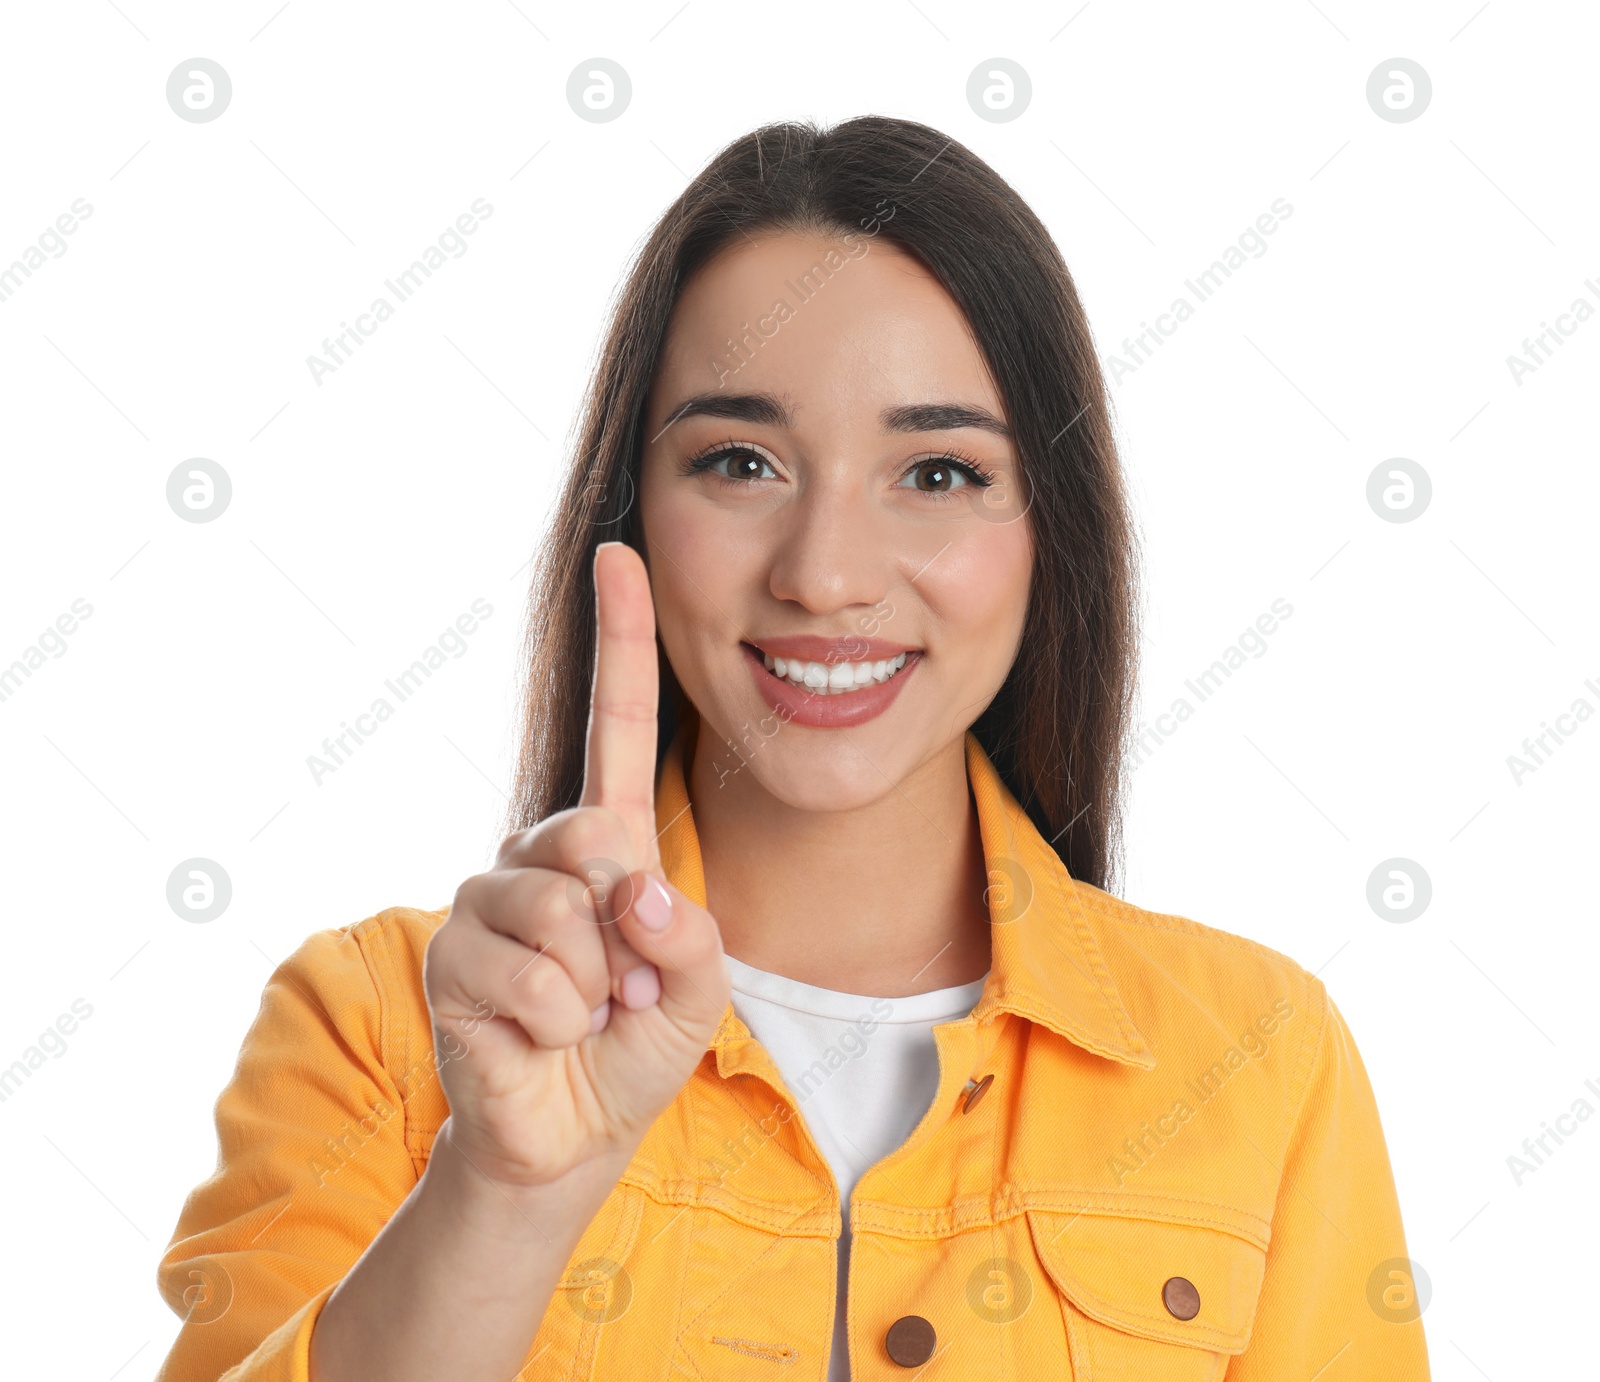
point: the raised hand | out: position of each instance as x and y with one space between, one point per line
590 986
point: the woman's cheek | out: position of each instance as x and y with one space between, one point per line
980 599
681 628
699 590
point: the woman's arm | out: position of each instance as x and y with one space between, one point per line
316 1203
603 986
1338 1282
456 1284
317 1148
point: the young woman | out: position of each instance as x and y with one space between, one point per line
794 1032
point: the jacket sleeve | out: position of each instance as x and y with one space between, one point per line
1338 1282
311 1163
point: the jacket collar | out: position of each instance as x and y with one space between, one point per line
1046 961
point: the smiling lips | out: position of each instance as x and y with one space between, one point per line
829 683
834 680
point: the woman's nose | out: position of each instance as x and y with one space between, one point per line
834 550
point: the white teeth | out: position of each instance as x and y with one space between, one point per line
832 679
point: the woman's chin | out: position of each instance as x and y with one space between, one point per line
810 782
803 769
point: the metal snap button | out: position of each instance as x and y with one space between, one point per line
910 1341
976 1092
1181 1298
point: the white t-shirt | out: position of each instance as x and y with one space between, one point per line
861 1070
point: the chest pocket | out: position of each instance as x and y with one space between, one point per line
1125 1284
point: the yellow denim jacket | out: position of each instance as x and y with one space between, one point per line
1176 1172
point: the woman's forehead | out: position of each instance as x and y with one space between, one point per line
828 323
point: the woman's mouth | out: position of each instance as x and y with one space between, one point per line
832 694
835 679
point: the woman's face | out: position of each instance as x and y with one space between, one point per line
840 493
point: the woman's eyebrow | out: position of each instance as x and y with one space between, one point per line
941 417
770 409
741 407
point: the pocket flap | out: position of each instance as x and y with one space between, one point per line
1114 1268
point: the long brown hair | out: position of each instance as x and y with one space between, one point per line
1056 728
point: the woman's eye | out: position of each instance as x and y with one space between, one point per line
936 476
737 463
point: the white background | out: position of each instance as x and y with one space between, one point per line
368 512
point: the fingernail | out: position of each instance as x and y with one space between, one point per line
653 905
599 1017
640 987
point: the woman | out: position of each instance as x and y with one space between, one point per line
827 724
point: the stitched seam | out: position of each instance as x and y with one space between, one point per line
618 1245
1116 1315
1027 1201
1256 1240
1053 1018
622 1245
680 1300
1207 1225
1078 1344
824 1188
760 1213
997 1158
1171 921
1016 827
1299 1069
1313 1050
394 1031
373 940
773 1221
1090 949
1155 1323
360 933
733 1281
777 1353
996 1151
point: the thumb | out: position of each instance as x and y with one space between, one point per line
684 943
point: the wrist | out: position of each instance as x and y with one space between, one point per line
464 1187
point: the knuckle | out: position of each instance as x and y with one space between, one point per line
640 805
595 832
515 845
569 1027
575 961
557 906
582 957
523 844
559 901
555 1011
627 711
540 979
438 960
468 900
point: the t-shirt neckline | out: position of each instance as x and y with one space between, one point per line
934 1005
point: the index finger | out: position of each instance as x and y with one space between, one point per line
619 765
